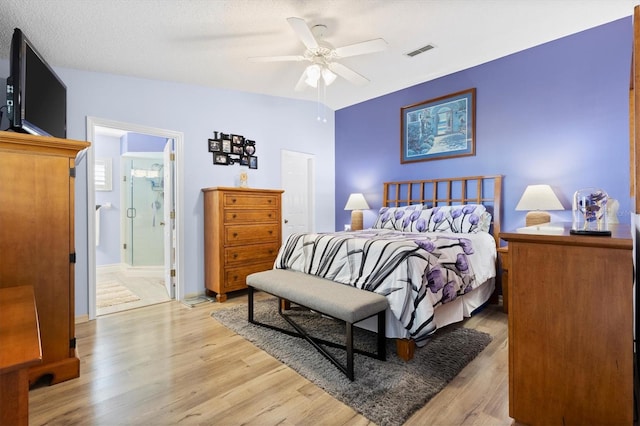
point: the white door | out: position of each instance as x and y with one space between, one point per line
298 199
169 220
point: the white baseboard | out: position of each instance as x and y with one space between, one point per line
135 271
115 267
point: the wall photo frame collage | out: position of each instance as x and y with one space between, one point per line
228 149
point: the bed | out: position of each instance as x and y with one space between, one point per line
431 251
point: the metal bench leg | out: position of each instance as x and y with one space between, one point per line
382 336
250 304
349 347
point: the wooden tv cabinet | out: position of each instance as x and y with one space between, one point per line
37 240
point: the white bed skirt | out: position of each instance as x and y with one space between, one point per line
449 313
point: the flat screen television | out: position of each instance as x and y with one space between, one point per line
36 96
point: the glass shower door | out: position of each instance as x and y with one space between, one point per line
144 212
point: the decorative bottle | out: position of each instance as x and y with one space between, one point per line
590 212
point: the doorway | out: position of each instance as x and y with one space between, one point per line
298 199
149 247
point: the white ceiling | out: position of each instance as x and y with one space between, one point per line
207 42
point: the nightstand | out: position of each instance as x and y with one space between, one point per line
503 255
570 326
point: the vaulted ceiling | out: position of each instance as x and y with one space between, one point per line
208 42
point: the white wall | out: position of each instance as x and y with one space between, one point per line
274 123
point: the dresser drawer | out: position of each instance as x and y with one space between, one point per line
252 201
253 253
236 278
247 234
249 216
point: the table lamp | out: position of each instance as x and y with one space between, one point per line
356 203
536 199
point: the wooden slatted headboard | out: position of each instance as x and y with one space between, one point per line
485 190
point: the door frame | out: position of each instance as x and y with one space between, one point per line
178 137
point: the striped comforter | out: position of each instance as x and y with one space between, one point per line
415 271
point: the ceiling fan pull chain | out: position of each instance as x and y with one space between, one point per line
318 101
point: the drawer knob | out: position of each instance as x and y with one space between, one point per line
235 255
233 216
269 201
235 234
270 231
233 200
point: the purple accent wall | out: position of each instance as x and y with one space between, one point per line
556 114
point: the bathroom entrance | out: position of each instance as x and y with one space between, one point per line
140 210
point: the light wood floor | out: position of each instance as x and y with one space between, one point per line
169 364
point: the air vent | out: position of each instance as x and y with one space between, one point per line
420 50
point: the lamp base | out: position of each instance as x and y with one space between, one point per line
356 220
537 217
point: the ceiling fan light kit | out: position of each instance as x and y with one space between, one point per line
314 72
324 57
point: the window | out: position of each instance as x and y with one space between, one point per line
102 171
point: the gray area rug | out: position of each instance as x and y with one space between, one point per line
386 392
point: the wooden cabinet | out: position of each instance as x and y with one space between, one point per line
242 235
37 240
503 254
570 327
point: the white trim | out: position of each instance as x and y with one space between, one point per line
92 123
136 271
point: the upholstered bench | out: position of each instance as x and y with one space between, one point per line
339 301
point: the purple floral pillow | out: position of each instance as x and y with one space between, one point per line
397 218
468 218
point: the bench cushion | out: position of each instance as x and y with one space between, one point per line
338 300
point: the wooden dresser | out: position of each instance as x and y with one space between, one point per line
242 235
570 327
37 240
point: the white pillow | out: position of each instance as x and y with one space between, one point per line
397 218
468 218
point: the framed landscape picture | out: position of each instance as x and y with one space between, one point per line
439 128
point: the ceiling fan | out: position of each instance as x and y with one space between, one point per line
323 56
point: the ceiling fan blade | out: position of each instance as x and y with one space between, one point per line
301 28
290 58
348 74
370 46
301 85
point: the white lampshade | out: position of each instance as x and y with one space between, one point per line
313 75
536 199
356 203
328 76
314 72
